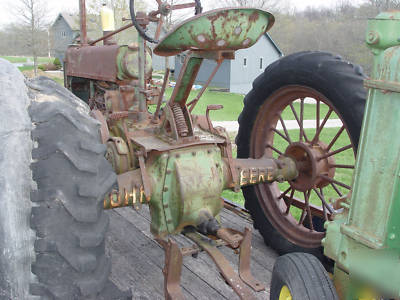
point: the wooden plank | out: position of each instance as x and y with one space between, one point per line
201 267
138 259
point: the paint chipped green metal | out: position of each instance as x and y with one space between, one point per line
187 187
364 240
220 29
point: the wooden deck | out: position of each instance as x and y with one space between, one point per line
137 260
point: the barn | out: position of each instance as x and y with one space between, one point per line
236 76
66 29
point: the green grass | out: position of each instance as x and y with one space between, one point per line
23 59
60 81
15 59
25 68
233 106
343 175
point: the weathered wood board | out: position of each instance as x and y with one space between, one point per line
137 260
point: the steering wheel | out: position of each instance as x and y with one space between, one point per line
163 10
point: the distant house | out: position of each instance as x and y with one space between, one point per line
66 29
237 75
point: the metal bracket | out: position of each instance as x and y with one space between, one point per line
223 265
172 270
244 263
145 176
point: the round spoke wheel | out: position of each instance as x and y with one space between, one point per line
298 204
308 106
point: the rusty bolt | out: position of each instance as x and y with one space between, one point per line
169 172
221 43
201 38
246 42
280 178
237 30
194 153
165 189
372 37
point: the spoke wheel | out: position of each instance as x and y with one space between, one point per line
315 159
308 106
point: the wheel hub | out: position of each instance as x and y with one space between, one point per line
310 165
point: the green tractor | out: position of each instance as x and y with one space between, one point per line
106 150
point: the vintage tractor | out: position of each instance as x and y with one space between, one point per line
176 162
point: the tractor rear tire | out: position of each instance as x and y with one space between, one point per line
330 76
53 180
300 276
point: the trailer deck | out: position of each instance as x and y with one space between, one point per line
138 260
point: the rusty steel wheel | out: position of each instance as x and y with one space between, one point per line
307 106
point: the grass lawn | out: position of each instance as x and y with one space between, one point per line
343 175
233 106
25 68
23 59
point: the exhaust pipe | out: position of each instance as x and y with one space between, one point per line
82 13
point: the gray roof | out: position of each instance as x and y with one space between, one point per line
274 44
93 21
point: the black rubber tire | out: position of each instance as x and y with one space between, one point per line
305 277
341 82
53 180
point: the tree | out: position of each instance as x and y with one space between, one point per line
272 5
33 17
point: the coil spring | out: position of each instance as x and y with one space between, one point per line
180 121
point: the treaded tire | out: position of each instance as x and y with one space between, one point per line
305 277
338 80
55 177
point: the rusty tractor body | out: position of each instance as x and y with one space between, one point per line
175 162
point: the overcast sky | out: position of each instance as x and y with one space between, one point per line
55 6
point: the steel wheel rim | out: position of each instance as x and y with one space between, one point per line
269 195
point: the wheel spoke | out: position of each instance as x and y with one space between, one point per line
317 118
159 27
284 193
342 166
281 134
322 198
335 152
307 200
298 121
184 5
336 189
316 137
335 182
273 148
335 138
284 129
289 202
301 118
303 216
306 207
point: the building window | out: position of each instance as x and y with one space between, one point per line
261 63
245 62
182 58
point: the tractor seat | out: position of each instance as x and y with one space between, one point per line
220 29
